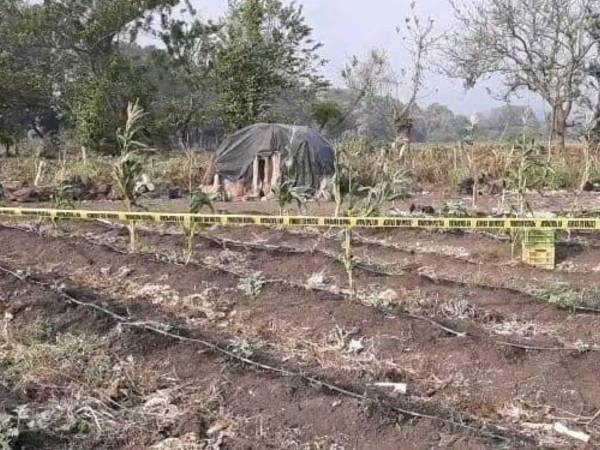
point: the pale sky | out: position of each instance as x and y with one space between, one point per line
353 27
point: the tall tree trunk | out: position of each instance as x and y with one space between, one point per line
593 132
403 138
560 114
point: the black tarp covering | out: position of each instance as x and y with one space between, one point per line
306 157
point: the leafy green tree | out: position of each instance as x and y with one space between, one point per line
99 103
243 66
189 100
95 80
264 48
326 112
89 32
260 49
25 85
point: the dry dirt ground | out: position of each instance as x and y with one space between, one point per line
258 342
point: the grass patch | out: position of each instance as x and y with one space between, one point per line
566 297
252 285
39 359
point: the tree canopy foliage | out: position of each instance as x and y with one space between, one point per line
545 46
25 80
81 61
249 57
76 60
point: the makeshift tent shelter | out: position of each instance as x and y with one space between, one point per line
260 156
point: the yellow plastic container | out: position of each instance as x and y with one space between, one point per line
539 249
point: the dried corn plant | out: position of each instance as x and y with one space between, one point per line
348 260
62 199
200 200
128 169
342 183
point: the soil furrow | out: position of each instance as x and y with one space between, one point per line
280 315
84 298
330 291
520 282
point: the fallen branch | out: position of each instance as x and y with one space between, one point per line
578 435
593 419
436 324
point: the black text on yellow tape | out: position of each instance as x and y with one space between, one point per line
439 223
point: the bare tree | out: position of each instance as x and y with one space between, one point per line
374 77
540 45
420 39
366 78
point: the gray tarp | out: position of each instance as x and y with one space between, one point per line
306 157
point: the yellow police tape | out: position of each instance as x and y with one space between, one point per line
444 223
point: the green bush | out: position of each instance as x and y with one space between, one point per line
101 102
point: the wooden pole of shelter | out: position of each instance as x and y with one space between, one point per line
255 175
267 176
276 166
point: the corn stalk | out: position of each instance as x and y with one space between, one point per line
189 231
39 171
190 227
342 183
62 199
129 168
348 259
286 193
128 137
